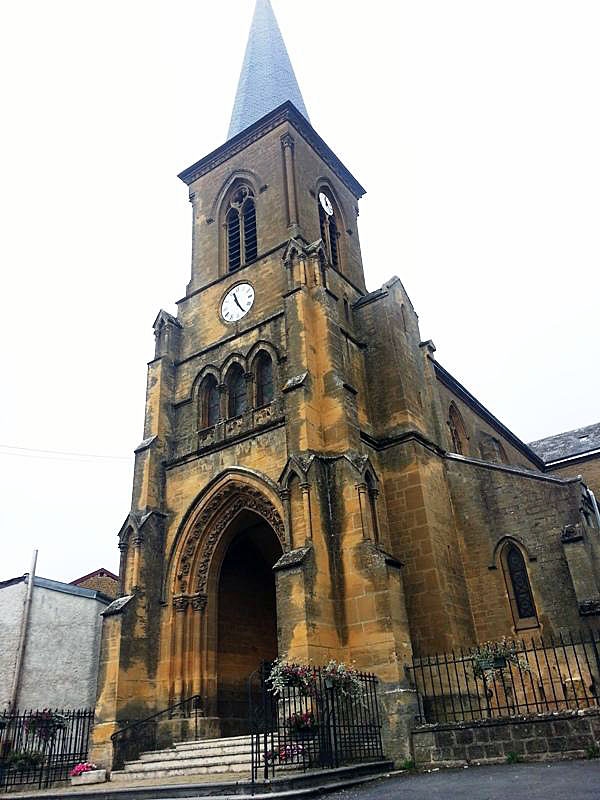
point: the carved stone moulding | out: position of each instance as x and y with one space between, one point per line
218 514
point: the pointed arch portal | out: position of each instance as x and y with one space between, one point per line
224 600
246 625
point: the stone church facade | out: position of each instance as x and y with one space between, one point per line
312 483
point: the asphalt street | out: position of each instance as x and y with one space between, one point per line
564 780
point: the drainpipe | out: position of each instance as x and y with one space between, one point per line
595 505
14 695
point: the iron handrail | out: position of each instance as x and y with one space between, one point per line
193 703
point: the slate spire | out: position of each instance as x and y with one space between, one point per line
267 78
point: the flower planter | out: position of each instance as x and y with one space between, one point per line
304 735
93 776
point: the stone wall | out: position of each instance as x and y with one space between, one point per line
567 734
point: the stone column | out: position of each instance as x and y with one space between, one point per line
287 143
180 605
305 489
197 622
285 497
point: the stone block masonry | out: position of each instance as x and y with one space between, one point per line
544 737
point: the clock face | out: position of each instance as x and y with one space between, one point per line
326 203
237 302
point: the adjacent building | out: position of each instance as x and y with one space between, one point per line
62 642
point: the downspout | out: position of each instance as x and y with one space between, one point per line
14 695
595 506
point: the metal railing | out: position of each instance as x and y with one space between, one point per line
321 726
143 735
40 747
542 675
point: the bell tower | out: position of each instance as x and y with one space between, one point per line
258 526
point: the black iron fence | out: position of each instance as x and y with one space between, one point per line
145 734
527 677
41 747
318 724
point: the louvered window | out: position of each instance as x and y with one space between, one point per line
249 217
329 235
264 380
236 387
234 241
242 241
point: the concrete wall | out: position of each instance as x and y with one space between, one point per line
60 667
12 599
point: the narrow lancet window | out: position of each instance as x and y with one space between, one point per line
236 391
329 229
458 433
210 402
264 380
240 223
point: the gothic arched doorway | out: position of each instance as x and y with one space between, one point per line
246 630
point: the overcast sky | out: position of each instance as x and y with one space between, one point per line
475 127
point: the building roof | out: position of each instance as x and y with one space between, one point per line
571 444
58 586
267 78
450 381
99 573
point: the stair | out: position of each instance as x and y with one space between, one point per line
226 758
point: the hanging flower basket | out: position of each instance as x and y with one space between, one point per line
284 674
336 675
44 724
303 726
490 658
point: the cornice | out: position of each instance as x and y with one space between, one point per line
286 112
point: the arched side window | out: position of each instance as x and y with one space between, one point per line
240 224
209 402
519 589
263 376
237 401
458 433
329 229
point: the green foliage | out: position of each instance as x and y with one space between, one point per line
513 758
593 751
408 764
22 760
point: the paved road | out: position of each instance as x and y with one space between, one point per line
566 780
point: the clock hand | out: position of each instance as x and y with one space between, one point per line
238 302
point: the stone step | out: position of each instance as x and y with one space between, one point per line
195 752
149 766
128 777
224 742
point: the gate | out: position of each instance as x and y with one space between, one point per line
318 725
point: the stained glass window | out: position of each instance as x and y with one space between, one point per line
520 582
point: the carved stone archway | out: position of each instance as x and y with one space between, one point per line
203 537
194 582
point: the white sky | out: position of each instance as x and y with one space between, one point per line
475 127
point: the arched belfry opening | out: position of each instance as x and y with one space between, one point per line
246 629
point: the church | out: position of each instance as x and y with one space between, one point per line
312 483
